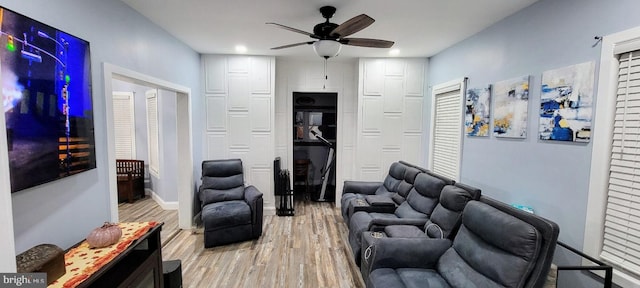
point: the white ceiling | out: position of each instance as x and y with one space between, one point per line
420 28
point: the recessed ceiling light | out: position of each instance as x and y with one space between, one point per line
394 52
241 48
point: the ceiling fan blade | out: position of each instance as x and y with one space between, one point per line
290 29
293 45
352 25
365 42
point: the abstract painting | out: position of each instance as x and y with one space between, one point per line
566 103
476 117
511 101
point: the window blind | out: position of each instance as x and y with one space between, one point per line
621 243
123 124
153 131
447 133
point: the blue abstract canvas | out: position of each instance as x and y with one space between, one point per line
511 101
566 103
477 110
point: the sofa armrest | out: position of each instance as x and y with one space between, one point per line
380 200
407 252
378 224
251 194
361 187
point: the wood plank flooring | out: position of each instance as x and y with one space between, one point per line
307 250
146 209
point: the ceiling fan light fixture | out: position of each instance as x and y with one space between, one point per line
327 48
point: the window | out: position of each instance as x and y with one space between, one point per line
446 130
612 230
123 124
153 131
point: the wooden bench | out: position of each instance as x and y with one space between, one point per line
130 175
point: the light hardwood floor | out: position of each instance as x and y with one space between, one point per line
307 250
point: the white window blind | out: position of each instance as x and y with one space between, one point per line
153 132
447 131
123 124
621 243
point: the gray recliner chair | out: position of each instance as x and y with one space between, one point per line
230 212
497 246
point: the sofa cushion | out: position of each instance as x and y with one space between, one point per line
208 196
425 193
406 184
488 235
447 215
224 214
403 231
393 179
407 277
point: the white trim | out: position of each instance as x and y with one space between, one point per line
165 205
449 86
601 150
185 127
7 241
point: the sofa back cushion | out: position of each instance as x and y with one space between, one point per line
447 216
406 184
222 180
393 179
423 197
492 249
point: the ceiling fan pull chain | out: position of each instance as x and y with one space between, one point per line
324 85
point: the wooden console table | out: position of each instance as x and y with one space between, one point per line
138 265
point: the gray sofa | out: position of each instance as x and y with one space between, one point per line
496 246
442 224
230 212
416 210
372 196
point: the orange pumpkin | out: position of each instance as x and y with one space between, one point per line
103 236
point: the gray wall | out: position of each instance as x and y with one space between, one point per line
166 187
63 212
551 177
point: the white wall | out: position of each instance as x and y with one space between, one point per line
63 212
308 76
239 116
391 114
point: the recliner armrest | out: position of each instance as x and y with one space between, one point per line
378 224
361 187
251 194
407 252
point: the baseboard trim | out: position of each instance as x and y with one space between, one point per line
269 211
165 205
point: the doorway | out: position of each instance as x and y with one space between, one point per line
314 145
184 167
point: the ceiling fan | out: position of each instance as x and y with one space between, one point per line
331 36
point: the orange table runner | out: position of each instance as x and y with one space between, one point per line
81 261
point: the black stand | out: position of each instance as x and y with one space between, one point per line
282 190
600 266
